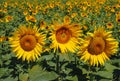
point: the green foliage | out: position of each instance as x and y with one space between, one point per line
41 74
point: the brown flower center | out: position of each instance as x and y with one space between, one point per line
28 42
118 20
96 46
63 35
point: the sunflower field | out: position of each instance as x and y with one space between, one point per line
59 40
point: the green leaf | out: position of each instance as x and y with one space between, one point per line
51 63
109 67
85 71
105 74
47 57
72 78
3 71
108 72
38 74
68 57
104 80
64 56
115 61
23 77
9 79
35 69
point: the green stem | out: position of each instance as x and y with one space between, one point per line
75 60
88 74
57 67
57 64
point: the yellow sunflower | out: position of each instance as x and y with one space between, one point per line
65 37
8 18
118 17
109 25
98 47
2 38
30 18
27 43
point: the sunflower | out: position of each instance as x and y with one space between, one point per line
109 25
118 17
2 38
65 36
25 12
98 47
30 18
8 18
27 43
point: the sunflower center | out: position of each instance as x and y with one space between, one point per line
118 20
96 46
63 35
28 42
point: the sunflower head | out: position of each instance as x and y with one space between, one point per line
27 43
31 18
98 47
8 18
2 38
118 17
109 25
65 36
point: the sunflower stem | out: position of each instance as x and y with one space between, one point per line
75 61
88 74
57 64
